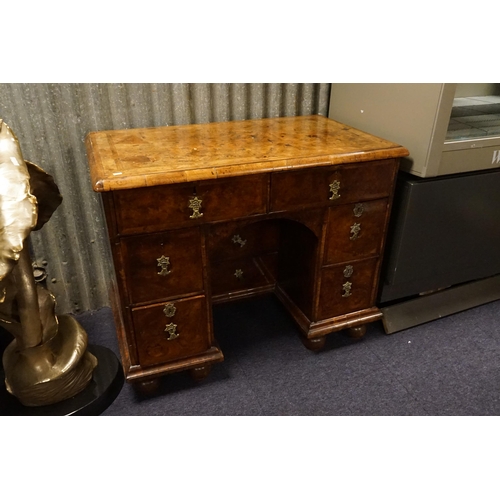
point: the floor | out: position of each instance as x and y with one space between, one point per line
449 367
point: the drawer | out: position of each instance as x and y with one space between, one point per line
355 230
228 199
171 330
237 240
347 288
152 209
332 185
236 275
162 265
161 207
368 181
308 187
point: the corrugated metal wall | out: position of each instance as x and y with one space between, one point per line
51 122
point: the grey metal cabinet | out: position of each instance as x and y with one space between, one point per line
448 128
443 251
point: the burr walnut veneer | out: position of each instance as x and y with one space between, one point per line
201 214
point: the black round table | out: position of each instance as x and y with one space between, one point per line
107 382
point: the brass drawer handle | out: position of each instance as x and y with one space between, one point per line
348 271
346 287
163 262
169 310
334 189
238 274
358 209
355 229
195 206
238 241
171 330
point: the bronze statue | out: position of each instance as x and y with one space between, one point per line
48 360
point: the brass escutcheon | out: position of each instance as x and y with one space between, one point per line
171 330
169 310
334 189
195 206
348 271
238 241
358 209
355 229
346 287
238 273
163 262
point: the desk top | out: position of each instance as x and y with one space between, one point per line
126 159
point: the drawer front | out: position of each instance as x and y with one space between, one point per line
227 199
347 287
152 209
162 207
162 265
237 240
308 187
368 181
332 185
355 230
171 330
236 275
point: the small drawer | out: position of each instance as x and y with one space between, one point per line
236 275
171 330
162 207
237 240
162 265
347 287
355 230
332 185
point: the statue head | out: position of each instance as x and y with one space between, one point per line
18 206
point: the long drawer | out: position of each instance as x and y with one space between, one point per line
331 185
157 208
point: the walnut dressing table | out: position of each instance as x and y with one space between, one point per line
202 214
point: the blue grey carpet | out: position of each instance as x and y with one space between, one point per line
450 366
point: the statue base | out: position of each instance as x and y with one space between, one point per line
106 384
